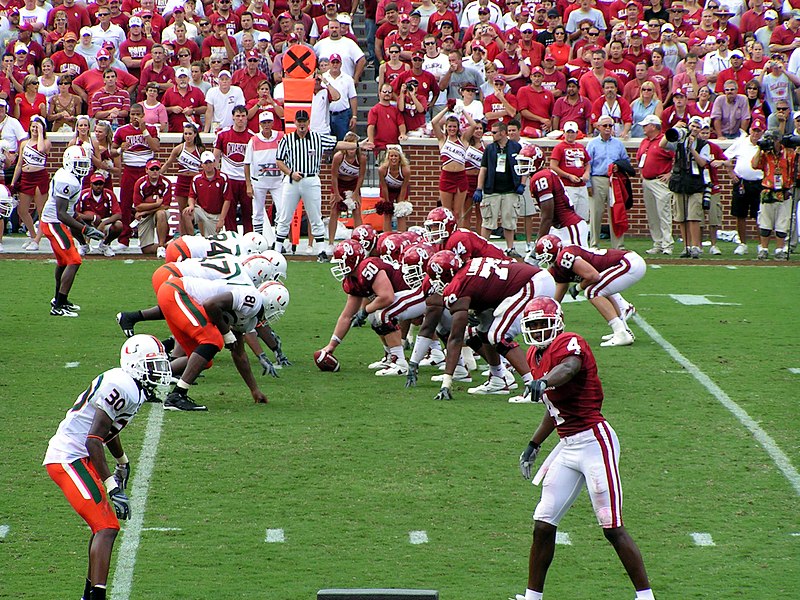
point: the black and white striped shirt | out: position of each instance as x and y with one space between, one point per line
304 154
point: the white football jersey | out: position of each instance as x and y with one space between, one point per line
220 266
247 302
63 185
197 245
225 242
115 393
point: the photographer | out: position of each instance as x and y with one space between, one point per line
412 105
689 182
778 164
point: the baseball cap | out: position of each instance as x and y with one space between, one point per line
224 73
737 53
26 27
135 22
301 115
293 37
448 38
109 45
571 126
723 10
632 2
722 38
219 21
695 120
335 58
795 13
181 72
263 36
770 15
86 31
679 92
478 47
526 27
70 36
207 156
678 7
102 53
415 13
667 27
499 79
178 9
511 38
146 13
284 15
483 10
758 124
14 12
796 114
636 32
266 116
469 87
251 54
573 80
706 123
553 13
548 55
536 70
404 17
97 178
153 162
4 104
418 53
345 19
650 120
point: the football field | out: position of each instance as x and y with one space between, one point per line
346 480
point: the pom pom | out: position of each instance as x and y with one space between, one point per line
403 209
348 200
384 207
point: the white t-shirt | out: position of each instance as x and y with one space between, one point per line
438 66
12 132
114 34
223 104
743 151
346 87
350 52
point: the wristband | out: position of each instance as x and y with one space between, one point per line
229 338
111 484
337 339
123 460
447 381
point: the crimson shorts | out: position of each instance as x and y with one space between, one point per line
186 318
30 183
84 491
453 182
63 245
182 185
177 250
472 182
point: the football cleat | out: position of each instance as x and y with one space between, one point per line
628 313
493 385
181 401
434 359
460 374
69 305
382 363
395 367
624 338
62 311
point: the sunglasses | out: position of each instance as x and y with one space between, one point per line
252 60
103 14
416 60
430 43
154 169
584 29
605 125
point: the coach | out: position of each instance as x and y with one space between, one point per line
299 157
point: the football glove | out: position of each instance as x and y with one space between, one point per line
477 196
411 378
537 388
93 234
359 318
282 359
267 365
122 474
527 458
520 189
444 394
122 506
574 290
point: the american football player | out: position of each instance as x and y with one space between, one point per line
197 246
587 455
497 292
76 458
603 274
363 277
442 228
57 221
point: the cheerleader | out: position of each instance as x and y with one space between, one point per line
30 178
187 156
347 175
83 138
453 150
394 175
472 163
110 168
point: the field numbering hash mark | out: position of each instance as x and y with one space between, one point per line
275 536
702 539
418 537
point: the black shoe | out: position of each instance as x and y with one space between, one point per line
322 257
684 254
62 311
169 345
68 305
126 323
180 401
512 253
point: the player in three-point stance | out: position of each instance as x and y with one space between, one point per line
76 459
587 455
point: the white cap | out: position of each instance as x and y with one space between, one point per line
344 18
86 31
266 116
770 14
207 156
667 27
224 73
570 126
181 72
263 36
737 53
696 121
133 21
20 46
650 120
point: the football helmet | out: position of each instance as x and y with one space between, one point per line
418 229
77 161
253 243
442 267
366 236
441 222
542 320
278 263
391 247
144 358
258 268
275 297
546 249
413 237
7 202
346 257
529 160
414 262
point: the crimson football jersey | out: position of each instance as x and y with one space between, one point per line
574 406
562 272
546 186
467 244
360 282
487 282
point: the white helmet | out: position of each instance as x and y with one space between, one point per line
7 202
143 357
77 161
258 268
276 299
278 262
253 243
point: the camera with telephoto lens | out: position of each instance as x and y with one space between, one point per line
791 141
411 85
676 134
767 141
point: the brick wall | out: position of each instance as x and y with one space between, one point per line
425 167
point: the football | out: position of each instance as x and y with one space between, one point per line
326 361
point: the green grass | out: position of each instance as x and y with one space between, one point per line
348 464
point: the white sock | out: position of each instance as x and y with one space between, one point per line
617 325
397 352
497 371
531 595
645 594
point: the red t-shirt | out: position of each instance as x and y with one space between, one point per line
387 121
623 70
194 98
103 207
138 153
233 144
572 159
92 80
137 51
210 194
144 191
74 65
77 17
165 75
491 104
540 103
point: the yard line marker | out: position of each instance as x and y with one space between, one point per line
418 537
702 539
128 261
275 536
795 534
653 266
762 437
71 365
562 537
731 267
126 559
4 529
161 529
794 371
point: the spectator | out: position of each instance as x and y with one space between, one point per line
777 83
514 68
169 34
604 151
735 72
476 59
620 67
83 138
535 104
183 103
30 102
678 114
343 111
229 149
135 47
264 102
690 80
585 13
746 180
673 51
499 105
591 83
412 105
646 104
457 75
704 104
186 156
353 59
75 14
103 162
209 197
453 144
774 216
67 60
570 161
98 207
110 102
64 106
613 105
105 30
218 44
660 74
154 111
249 44
572 107
22 67
502 187
48 82
553 80
157 71
730 112
87 48
197 79
87 83
764 34
385 124
559 47
249 78
152 196
656 167
220 101
785 37
468 103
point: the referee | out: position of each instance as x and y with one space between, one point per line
299 158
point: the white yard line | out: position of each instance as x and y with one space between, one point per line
776 454
143 471
275 536
794 371
4 529
702 539
562 537
418 537
161 529
72 365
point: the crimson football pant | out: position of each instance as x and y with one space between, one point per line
130 175
239 198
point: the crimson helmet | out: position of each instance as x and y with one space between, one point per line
414 263
529 160
390 248
346 257
441 222
442 267
366 236
413 237
546 249
542 320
